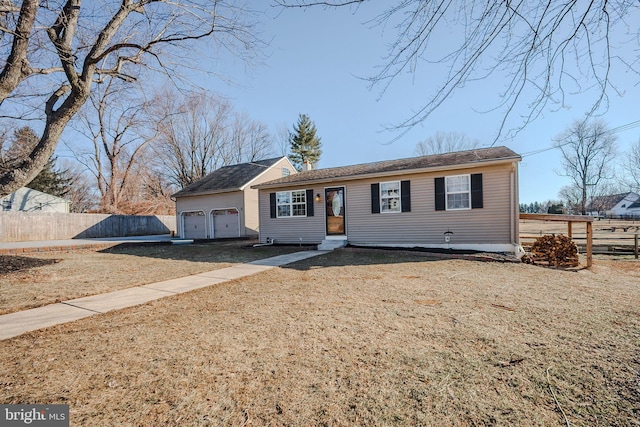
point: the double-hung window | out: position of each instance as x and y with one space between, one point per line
291 203
390 196
458 190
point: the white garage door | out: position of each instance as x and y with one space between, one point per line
225 223
195 225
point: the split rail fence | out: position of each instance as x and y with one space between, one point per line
608 236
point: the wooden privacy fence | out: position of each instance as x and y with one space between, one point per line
28 226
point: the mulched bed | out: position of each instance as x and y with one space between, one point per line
10 264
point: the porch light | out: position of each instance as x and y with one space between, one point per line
318 198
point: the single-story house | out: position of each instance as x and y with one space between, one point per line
615 205
28 200
223 204
463 200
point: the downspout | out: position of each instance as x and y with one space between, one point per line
270 242
511 204
515 211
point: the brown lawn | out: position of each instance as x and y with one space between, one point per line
353 338
61 276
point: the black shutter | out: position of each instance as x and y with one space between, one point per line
309 202
272 204
405 196
375 198
476 191
440 194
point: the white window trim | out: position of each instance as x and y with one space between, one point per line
291 204
399 198
447 193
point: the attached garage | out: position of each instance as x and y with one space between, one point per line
194 225
226 223
223 204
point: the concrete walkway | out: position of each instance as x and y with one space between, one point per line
14 324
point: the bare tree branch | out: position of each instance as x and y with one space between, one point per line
60 49
587 150
543 51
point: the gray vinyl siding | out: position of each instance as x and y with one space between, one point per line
424 225
252 217
290 230
492 224
207 203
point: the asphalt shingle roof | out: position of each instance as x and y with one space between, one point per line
414 163
227 178
634 205
605 203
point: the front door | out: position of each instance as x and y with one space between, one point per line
335 211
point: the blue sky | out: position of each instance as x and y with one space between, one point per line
316 60
315 63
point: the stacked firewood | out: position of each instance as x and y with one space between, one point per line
558 251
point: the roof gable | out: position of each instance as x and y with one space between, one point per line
608 202
434 162
228 178
634 205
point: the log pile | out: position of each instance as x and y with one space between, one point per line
558 251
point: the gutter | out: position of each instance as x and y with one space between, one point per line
386 173
205 193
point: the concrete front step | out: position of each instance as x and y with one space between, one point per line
329 245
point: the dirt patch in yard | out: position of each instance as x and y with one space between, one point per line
44 278
353 338
10 264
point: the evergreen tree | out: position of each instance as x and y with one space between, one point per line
305 145
49 180
20 145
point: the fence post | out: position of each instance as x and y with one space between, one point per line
635 245
589 244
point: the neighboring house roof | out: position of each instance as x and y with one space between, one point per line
228 178
606 203
409 165
634 205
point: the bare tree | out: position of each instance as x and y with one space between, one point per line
587 150
201 133
248 140
53 53
445 142
571 197
81 190
191 136
114 120
631 167
542 51
156 194
281 139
